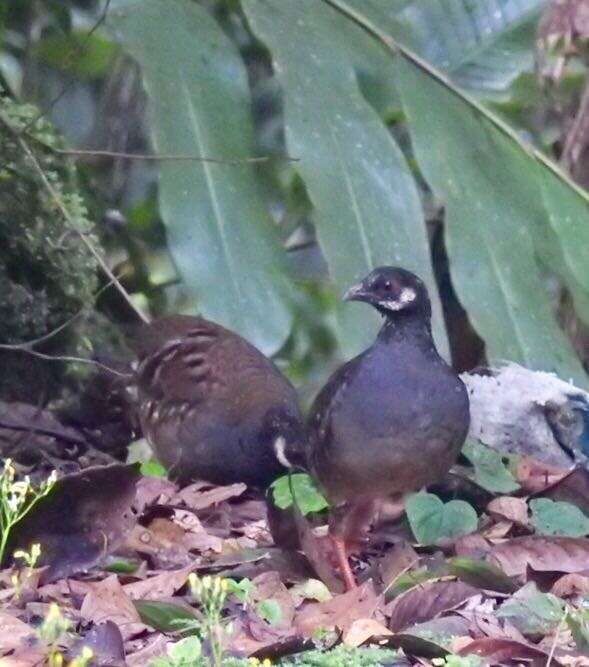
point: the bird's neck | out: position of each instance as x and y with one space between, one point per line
414 328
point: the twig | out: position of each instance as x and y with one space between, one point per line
29 344
170 157
61 206
556 636
77 360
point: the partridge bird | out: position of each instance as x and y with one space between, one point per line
391 420
212 406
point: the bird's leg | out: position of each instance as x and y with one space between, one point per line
346 522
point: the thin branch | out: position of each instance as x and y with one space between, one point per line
170 157
76 360
66 214
29 344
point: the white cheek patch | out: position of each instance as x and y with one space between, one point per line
407 296
279 447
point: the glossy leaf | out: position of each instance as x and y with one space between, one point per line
366 205
482 45
493 201
558 518
431 519
489 470
307 496
219 232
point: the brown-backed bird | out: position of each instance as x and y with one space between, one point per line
212 406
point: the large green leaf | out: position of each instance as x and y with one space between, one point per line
493 201
483 45
366 205
502 201
218 229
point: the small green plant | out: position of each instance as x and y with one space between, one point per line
20 579
54 625
17 499
83 659
211 592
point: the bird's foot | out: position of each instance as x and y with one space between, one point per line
341 554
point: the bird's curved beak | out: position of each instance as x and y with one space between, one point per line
355 293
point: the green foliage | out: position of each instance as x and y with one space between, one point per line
531 611
558 518
578 624
219 232
458 661
241 589
47 274
77 54
17 499
186 652
432 520
270 611
489 470
308 497
164 616
344 656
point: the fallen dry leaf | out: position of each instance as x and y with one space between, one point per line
201 495
426 601
510 508
160 586
571 584
339 612
497 531
363 629
395 562
14 633
473 546
151 490
535 476
268 586
543 554
84 517
499 650
107 601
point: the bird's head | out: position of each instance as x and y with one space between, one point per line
393 292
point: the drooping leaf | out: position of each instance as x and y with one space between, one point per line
493 203
308 497
489 470
558 518
431 519
218 229
493 187
366 204
482 45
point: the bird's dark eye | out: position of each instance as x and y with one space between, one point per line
388 286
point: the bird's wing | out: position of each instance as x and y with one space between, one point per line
328 400
176 360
